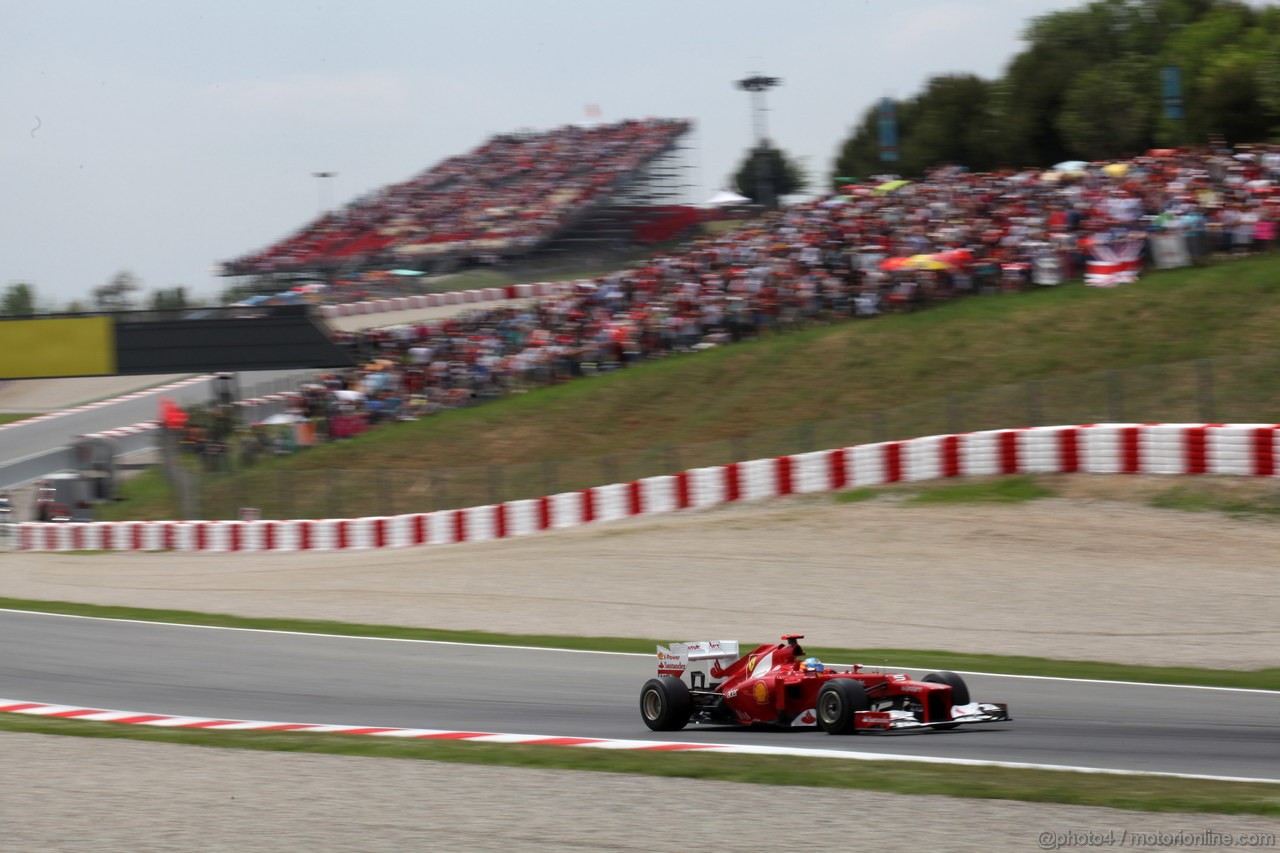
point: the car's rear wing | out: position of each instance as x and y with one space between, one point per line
699 663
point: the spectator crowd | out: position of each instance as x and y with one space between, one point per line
875 247
513 192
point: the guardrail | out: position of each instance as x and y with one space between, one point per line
452 297
1187 449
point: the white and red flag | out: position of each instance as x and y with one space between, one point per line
1114 261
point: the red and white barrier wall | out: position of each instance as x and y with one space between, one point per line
456 297
1238 449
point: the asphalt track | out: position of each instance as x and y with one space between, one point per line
251 675
24 439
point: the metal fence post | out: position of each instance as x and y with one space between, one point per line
189 483
955 414
806 437
283 489
440 490
1204 390
878 427
1115 396
1034 403
495 484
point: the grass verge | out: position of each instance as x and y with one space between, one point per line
856 496
1016 489
1188 498
1262 679
1004 490
11 418
1141 793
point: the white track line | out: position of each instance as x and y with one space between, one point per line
622 654
110 401
333 636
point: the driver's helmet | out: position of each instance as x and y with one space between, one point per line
811 665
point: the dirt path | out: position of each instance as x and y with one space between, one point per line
1056 578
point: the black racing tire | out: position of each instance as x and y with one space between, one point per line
959 691
665 704
838 701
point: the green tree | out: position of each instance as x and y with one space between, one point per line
1197 45
1087 85
170 299
785 175
954 120
859 155
19 300
1269 84
1230 100
1061 46
116 294
1109 111
949 123
1217 53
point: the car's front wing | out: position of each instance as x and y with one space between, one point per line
974 712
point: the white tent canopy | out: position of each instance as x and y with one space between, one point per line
724 198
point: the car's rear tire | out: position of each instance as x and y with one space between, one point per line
959 691
665 704
838 701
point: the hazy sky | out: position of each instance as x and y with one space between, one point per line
165 137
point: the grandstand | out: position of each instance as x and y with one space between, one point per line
514 195
646 208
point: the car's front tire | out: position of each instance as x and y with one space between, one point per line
959 691
665 704
838 701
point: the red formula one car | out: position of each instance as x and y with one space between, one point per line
708 682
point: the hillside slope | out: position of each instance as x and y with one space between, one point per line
851 368
1069 354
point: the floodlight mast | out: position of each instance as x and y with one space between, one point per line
757 85
322 198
